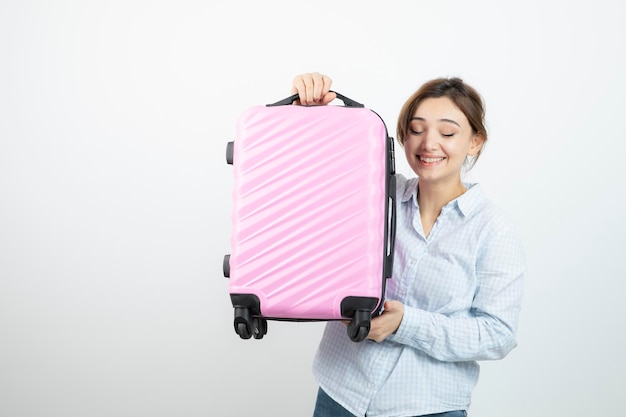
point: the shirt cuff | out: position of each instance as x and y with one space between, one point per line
413 323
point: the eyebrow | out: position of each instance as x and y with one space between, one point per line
441 120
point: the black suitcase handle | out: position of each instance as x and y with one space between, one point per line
392 226
348 102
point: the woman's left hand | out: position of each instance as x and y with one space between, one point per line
388 322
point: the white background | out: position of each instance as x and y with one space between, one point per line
115 195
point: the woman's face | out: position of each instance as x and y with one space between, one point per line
439 140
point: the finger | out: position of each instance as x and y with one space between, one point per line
298 86
328 82
295 83
306 95
328 97
318 87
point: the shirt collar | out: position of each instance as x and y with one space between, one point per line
471 200
410 190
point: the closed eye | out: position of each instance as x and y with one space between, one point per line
415 132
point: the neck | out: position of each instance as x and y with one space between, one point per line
432 197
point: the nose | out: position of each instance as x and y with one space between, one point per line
430 140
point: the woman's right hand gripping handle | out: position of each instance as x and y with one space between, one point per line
313 89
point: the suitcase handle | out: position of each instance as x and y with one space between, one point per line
392 235
348 102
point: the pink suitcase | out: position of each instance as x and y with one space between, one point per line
313 219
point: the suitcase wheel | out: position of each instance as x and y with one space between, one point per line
229 152
247 326
226 266
243 330
360 334
359 326
260 327
243 322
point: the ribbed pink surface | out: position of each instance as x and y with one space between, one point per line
308 208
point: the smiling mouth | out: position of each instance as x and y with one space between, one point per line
430 161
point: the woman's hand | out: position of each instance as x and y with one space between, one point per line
313 89
388 322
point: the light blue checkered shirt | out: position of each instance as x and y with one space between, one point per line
461 288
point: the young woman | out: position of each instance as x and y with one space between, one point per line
455 294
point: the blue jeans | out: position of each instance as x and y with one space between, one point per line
327 407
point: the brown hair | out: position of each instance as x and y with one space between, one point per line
462 95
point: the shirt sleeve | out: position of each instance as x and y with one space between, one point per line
488 330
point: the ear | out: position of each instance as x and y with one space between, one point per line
476 144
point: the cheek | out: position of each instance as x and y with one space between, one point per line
409 150
411 144
459 149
